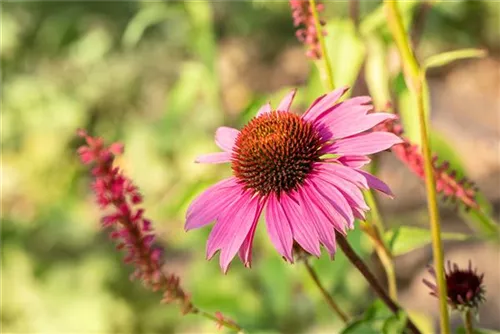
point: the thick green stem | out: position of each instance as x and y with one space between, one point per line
328 298
469 328
415 79
321 39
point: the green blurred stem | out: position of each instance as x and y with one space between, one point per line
375 230
415 79
321 39
370 278
328 298
469 328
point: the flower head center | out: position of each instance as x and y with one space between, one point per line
464 287
275 152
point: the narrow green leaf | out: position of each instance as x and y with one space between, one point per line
346 51
377 18
395 324
377 72
404 239
448 57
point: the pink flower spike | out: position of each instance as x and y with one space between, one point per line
132 233
278 164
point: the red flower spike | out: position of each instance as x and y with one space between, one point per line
447 184
129 228
302 16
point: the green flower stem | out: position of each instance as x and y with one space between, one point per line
415 79
333 305
370 278
321 39
469 328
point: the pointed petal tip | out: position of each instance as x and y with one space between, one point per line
286 102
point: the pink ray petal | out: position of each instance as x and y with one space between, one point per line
305 236
266 108
364 144
325 229
287 101
351 193
343 126
245 251
323 103
342 171
325 205
278 228
337 200
207 206
376 183
354 161
214 158
232 227
225 138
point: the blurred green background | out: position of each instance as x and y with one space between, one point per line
161 77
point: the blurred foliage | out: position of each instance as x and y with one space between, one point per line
147 74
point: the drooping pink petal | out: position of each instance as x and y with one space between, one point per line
305 236
342 171
342 126
325 205
325 229
351 193
264 109
207 206
287 101
337 200
364 144
232 227
225 138
323 103
354 161
376 183
245 251
278 228
214 158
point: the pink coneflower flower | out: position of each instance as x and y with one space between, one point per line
464 287
303 169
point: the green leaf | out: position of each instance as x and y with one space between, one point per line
371 321
461 330
377 19
377 72
446 58
152 13
346 51
446 152
404 239
395 324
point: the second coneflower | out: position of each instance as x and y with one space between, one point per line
304 170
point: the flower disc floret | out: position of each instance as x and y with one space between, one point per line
275 152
